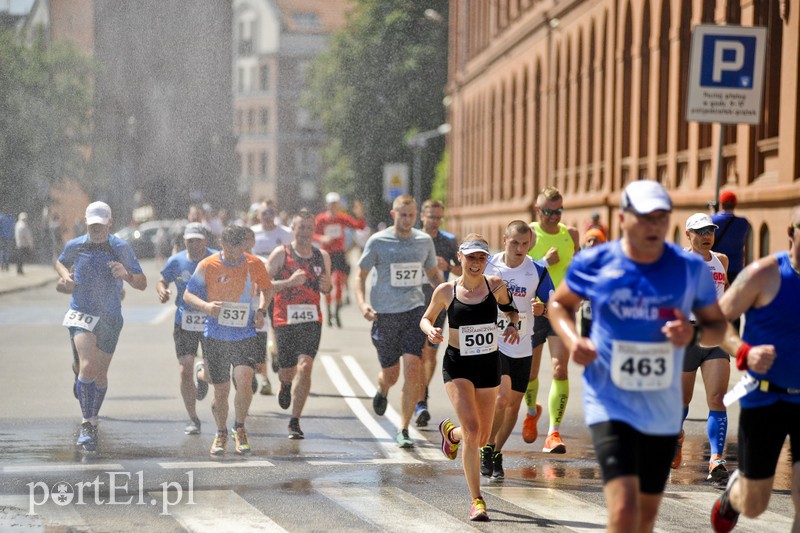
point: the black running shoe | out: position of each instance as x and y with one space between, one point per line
285 395
295 433
497 467
379 403
487 452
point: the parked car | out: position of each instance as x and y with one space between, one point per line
153 238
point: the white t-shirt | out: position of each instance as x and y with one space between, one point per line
266 241
522 282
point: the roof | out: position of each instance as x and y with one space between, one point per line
313 16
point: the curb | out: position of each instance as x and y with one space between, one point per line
36 285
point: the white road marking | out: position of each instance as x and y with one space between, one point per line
215 464
385 441
555 505
392 509
55 467
429 453
162 316
46 515
217 510
692 501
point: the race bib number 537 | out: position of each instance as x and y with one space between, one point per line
234 314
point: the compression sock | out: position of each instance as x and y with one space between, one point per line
531 392
717 429
87 390
559 395
99 396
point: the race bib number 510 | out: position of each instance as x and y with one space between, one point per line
76 319
642 366
234 314
478 339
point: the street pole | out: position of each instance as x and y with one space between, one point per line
418 143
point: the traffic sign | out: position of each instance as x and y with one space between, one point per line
726 74
395 180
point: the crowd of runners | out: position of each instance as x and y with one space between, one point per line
641 315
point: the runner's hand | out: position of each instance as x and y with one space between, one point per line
552 256
369 313
760 358
583 351
163 294
679 331
298 278
511 334
537 307
435 336
118 270
258 320
213 308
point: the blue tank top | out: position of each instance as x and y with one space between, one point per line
776 324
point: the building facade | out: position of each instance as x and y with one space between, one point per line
587 95
279 146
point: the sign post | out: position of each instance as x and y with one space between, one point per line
726 79
395 181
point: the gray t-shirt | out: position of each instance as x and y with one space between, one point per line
399 263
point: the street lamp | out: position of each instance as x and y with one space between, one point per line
417 143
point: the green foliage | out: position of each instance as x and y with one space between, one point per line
383 76
439 188
45 100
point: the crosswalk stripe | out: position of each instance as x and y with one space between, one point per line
45 515
219 510
768 521
163 315
215 464
385 441
55 467
429 453
556 505
392 509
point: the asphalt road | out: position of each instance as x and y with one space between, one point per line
347 474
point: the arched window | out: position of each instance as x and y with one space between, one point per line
763 241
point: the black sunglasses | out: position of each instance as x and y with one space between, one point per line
548 212
708 230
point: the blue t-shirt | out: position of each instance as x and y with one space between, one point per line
179 269
732 242
631 302
96 291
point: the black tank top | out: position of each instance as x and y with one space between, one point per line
463 314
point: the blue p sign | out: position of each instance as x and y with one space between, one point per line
728 61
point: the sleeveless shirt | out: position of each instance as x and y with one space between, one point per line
561 241
464 314
308 293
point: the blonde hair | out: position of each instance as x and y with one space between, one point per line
403 200
475 237
549 194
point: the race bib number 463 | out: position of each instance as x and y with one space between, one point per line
76 319
406 274
234 314
642 366
478 339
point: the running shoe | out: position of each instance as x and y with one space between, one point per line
449 448
498 474
88 437
717 471
422 415
285 394
202 386
218 446
295 433
723 516
240 438
266 388
403 440
554 444
529 430
677 459
193 427
379 403
477 513
486 460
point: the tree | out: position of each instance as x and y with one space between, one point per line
44 119
383 77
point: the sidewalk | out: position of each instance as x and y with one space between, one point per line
35 276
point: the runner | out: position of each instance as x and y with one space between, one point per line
471 364
554 247
399 254
642 289
447 259
300 272
767 292
92 267
713 362
329 231
188 329
223 286
530 286
591 238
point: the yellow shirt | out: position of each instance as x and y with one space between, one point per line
561 241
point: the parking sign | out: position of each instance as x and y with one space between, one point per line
726 74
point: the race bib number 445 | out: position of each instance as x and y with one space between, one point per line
76 319
406 274
478 339
299 313
234 314
642 366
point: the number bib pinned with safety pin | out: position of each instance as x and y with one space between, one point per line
406 274
234 314
193 320
642 366
301 313
76 319
478 339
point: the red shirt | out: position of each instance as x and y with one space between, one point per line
292 304
333 226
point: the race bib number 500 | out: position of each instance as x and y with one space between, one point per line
478 339
76 319
642 366
234 314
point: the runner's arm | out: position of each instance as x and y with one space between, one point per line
325 285
361 295
562 308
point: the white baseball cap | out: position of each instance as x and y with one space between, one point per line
194 230
98 213
700 221
471 247
644 197
332 197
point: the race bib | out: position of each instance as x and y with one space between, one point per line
477 340
503 321
193 320
76 319
297 313
642 366
334 231
234 314
406 274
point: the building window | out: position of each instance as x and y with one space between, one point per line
307 21
263 78
763 241
264 166
251 165
251 121
238 125
240 80
264 120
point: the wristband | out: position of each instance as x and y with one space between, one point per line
741 356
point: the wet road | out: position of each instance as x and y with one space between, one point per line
346 475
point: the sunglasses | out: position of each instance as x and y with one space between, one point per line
549 212
704 231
